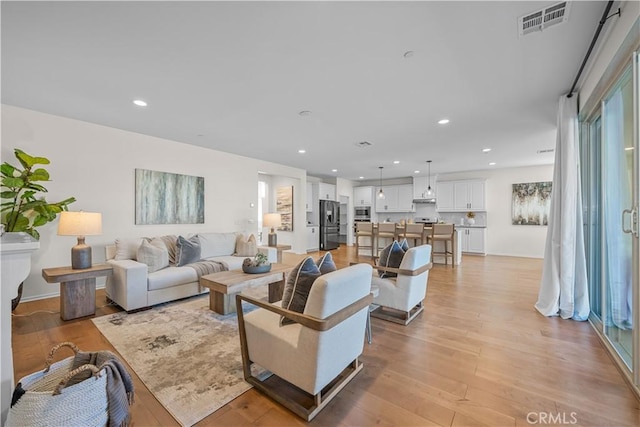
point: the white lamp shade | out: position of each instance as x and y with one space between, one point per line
80 224
272 220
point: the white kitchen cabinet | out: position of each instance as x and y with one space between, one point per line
397 198
326 191
472 240
405 198
420 187
444 201
313 239
310 203
362 196
456 196
390 200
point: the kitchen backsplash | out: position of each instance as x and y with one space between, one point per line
460 218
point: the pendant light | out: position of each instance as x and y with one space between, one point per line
429 192
380 193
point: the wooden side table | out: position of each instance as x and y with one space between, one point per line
77 288
279 249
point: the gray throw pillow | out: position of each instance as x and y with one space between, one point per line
187 250
298 286
404 245
391 256
325 264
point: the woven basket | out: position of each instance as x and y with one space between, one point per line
48 402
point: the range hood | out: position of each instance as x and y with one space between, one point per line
429 200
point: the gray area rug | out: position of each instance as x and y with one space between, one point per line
187 356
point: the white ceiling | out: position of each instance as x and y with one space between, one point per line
233 76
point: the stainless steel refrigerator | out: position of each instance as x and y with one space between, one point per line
329 225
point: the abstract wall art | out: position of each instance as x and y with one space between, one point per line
169 198
530 203
284 206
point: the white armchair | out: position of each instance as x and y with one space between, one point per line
400 298
324 344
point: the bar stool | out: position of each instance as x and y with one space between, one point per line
364 229
443 233
415 232
386 230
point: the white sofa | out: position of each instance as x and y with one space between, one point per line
132 287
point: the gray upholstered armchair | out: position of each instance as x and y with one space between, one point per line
322 346
400 298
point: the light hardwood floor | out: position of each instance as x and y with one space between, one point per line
480 354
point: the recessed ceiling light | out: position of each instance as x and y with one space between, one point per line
416 171
362 177
302 151
486 150
492 164
395 162
305 113
408 54
334 170
139 102
443 121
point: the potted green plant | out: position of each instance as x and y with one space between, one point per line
23 209
259 264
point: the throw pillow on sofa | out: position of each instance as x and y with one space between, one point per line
298 286
187 250
170 241
248 248
154 254
325 264
391 257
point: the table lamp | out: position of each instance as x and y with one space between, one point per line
80 224
272 220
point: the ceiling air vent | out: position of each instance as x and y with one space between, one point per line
544 18
363 144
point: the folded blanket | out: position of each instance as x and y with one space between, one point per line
205 267
119 383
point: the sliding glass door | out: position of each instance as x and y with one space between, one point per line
610 178
617 170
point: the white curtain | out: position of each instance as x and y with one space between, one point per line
563 289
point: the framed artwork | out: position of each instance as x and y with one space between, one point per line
169 198
530 203
284 206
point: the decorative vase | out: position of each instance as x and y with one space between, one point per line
471 221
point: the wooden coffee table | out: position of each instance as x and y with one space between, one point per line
225 284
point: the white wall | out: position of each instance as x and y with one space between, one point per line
96 164
299 221
617 30
502 237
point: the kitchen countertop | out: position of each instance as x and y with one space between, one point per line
470 226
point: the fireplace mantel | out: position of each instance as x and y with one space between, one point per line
16 251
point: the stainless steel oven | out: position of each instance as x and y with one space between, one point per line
362 213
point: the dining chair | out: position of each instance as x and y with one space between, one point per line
364 230
415 233
443 233
385 231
